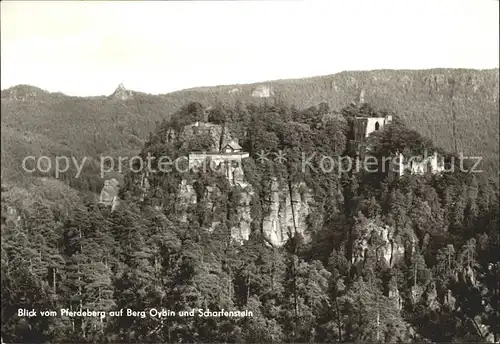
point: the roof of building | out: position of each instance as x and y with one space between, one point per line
369 117
202 125
233 145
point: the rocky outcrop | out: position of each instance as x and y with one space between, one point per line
287 213
109 193
23 93
224 157
416 293
361 98
185 197
394 294
10 214
432 297
241 232
449 300
381 241
122 93
220 136
262 91
468 84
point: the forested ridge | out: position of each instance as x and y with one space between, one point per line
456 108
334 284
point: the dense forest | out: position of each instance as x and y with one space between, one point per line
456 108
331 282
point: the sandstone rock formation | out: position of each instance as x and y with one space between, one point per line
186 196
219 136
23 93
262 91
122 93
287 213
390 245
241 232
394 294
109 193
11 214
361 98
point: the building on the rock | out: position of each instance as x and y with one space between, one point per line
419 165
362 127
225 154
226 162
231 147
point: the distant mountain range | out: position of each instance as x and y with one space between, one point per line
450 106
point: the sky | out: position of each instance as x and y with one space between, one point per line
87 48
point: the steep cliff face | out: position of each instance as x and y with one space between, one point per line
241 232
287 212
188 197
185 197
394 294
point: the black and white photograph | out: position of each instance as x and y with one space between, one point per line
259 171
